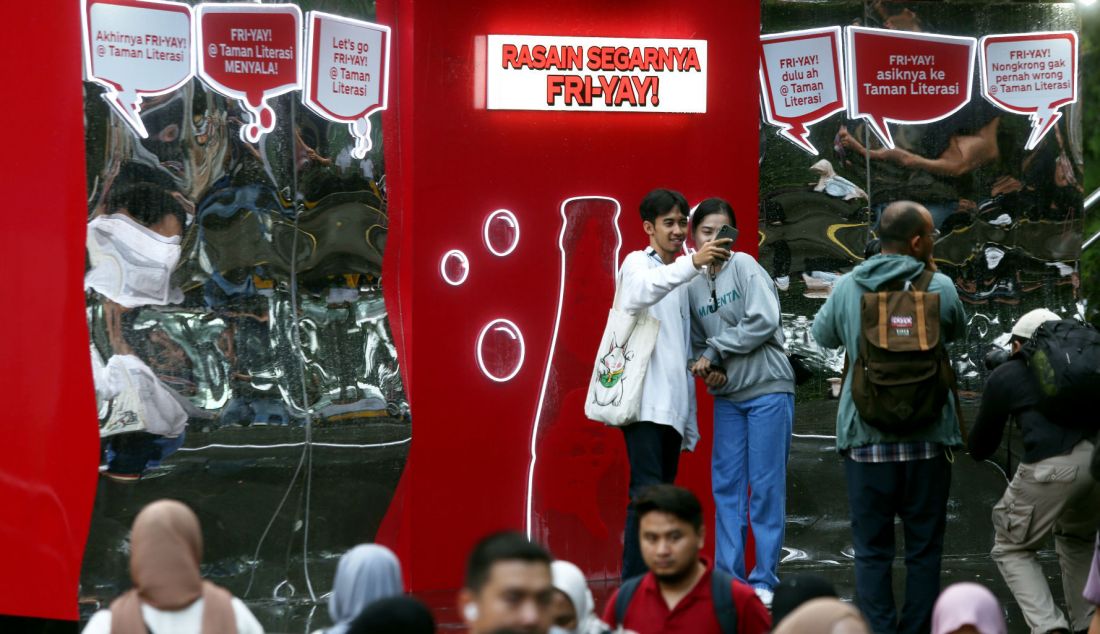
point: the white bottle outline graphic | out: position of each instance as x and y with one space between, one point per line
529 510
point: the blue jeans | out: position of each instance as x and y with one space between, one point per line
752 440
133 452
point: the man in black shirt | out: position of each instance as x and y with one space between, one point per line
1052 489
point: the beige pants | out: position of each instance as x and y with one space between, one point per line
1057 493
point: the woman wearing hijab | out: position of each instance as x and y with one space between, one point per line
824 616
572 608
365 574
968 608
169 594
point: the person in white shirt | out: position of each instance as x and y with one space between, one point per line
169 594
656 279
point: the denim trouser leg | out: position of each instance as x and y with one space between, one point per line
131 452
770 420
917 492
923 515
654 454
871 497
729 483
752 440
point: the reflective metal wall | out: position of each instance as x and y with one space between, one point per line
243 358
242 351
1010 220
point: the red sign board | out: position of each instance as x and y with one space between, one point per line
250 52
504 240
903 77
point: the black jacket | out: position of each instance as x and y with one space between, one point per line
1013 391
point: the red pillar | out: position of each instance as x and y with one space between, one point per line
50 440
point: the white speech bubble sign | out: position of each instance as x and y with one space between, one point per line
347 72
1030 73
136 49
801 81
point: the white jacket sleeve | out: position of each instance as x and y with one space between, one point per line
641 286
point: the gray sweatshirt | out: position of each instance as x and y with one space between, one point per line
744 335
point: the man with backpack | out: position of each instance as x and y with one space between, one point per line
683 591
1052 488
897 421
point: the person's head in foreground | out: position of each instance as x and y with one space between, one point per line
572 609
165 552
365 574
795 590
968 608
824 616
508 586
394 615
670 528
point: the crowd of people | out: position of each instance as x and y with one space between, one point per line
898 431
514 586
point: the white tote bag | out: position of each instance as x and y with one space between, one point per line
615 390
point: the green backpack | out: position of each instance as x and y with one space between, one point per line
902 376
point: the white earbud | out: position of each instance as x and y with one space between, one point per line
470 611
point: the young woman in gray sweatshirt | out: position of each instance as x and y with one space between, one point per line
737 343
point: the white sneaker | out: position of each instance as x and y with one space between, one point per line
765 596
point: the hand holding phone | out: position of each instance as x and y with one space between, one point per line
727 231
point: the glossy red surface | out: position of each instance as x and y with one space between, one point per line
450 163
48 473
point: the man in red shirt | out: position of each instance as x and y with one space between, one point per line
679 593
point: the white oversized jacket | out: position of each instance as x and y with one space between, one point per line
668 394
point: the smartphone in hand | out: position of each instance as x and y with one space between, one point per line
727 231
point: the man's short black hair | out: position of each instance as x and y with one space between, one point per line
901 222
660 201
503 546
671 499
146 202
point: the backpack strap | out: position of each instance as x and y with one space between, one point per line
622 599
721 591
923 281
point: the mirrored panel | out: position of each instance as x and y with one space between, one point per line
241 346
1009 219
